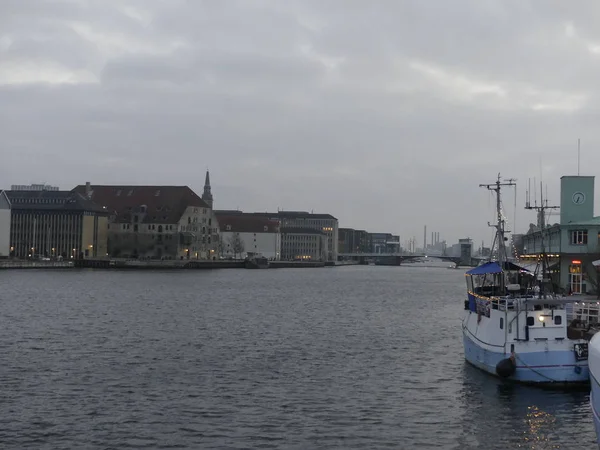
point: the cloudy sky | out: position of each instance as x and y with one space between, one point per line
387 114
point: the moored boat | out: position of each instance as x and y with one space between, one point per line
594 362
514 328
256 261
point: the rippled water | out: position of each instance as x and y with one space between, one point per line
344 358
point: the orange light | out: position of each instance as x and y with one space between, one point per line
575 262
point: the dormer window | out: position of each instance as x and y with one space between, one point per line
118 192
157 193
228 227
266 228
130 192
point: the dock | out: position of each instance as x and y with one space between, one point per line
153 264
27 264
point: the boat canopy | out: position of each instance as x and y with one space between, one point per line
494 267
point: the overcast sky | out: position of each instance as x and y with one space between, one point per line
386 114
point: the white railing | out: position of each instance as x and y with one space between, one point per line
586 310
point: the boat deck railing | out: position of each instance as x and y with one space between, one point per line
586 311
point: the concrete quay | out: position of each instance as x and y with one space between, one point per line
136 264
27 264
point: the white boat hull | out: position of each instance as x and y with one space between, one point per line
594 361
538 361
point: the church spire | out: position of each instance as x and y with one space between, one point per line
207 195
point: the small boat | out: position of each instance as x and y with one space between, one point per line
514 328
256 261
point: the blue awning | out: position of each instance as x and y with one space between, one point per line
494 267
489 267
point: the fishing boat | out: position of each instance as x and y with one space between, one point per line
514 327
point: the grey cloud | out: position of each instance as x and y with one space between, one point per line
387 114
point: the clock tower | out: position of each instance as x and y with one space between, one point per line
576 199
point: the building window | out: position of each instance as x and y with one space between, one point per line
575 278
557 320
228 227
579 237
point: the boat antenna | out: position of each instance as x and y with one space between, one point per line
499 237
578 155
543 256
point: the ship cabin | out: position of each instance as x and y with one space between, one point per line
490 282
513 288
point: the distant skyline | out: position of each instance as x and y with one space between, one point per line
386 114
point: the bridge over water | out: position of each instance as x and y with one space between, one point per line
398 258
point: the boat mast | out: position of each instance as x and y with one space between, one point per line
499 238
543 258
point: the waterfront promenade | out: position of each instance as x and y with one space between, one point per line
137 264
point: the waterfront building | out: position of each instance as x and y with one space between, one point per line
325 223
345 240
4 225
572 245
385 243
56 224
354 241
305 244
245 233
156 222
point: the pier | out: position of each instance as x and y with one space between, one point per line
27 264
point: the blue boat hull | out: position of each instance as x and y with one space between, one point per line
543 368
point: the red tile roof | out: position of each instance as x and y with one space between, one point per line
247 224
152 204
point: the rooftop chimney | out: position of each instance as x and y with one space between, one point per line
88 189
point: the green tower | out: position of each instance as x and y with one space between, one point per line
576 199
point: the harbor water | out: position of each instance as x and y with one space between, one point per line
357 357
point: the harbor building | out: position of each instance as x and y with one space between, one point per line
245 233
324 223
385 243
156 222
56 224
354 241
572 245
305 244
4 225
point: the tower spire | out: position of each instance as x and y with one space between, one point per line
207 195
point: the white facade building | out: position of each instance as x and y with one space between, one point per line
304 244
242 234
4 225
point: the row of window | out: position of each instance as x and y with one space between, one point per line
228 228
576 237
531 321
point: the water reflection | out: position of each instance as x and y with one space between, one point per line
528 417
